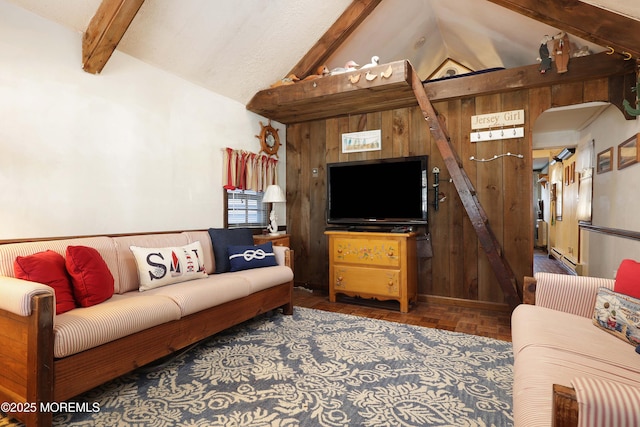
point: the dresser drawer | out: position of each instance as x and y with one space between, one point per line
279 240
367 251
373 265
374 281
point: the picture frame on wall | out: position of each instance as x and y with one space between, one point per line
572 173
585 195
604 161
556 191
355 142
628 153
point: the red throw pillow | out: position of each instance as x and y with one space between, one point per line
91 279
628 278
47 268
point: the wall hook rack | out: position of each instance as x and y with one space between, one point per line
496 156
497 134
627 55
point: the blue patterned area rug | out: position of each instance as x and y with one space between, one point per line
315 368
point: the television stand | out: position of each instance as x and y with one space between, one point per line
380 265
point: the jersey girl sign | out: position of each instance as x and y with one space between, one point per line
501 125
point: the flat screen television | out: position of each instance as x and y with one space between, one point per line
378 192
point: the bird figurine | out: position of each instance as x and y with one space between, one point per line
375 61
354 78
387 73
370 76
321 71
349 66
289 80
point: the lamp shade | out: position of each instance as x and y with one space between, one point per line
273 194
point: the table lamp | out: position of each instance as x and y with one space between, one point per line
273 194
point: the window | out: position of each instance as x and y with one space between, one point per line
245 209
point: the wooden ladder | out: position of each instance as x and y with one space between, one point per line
468 195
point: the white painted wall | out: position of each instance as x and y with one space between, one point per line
133 149
616 201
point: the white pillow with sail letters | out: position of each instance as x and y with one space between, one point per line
163 266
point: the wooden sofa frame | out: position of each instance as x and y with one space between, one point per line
42 378
565 403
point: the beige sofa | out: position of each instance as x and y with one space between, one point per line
46 357
557 349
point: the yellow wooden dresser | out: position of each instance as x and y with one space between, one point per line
277 240
373 265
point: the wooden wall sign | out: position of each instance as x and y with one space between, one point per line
501 125
497 120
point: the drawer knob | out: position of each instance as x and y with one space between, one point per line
339 279
339 251
390 253
390 283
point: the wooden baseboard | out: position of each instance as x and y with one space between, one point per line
434 299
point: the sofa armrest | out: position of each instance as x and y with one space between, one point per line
565 407
281 254
27 349
16 295
562 292
600 401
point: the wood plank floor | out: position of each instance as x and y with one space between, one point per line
488 323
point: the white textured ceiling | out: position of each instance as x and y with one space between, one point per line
475 33
236 48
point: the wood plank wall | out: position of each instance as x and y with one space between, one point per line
459 268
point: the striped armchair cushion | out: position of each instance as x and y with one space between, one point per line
571 294
606 403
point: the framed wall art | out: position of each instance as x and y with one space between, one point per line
585 195
556 197
354 142
572 173
628 153
604 161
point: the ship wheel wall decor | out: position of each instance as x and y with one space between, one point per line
269 139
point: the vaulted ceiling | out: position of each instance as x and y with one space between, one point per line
237 48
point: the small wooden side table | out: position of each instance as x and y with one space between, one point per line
279 240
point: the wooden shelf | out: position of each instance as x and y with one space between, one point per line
334 96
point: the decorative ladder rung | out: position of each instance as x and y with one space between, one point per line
468 196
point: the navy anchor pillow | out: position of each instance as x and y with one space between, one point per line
246 257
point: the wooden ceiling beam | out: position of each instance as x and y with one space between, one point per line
335 96
591 23
353 16
106 29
